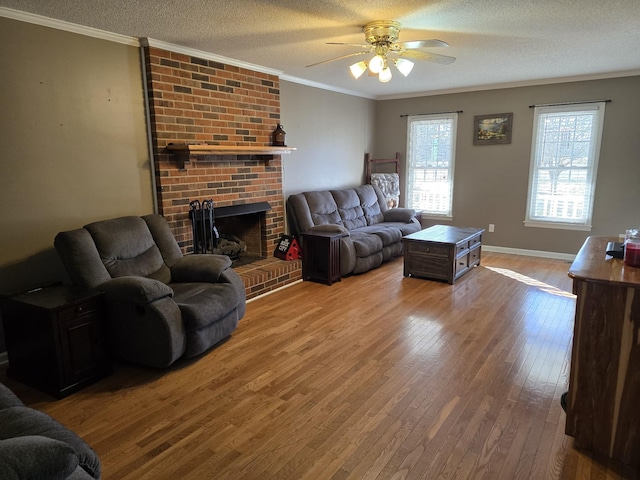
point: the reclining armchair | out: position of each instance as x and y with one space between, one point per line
161 305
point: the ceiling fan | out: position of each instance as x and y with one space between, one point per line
382 36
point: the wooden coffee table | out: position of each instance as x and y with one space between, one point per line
442 252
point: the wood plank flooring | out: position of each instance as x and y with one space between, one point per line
375 377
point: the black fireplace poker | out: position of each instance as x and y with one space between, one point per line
205 233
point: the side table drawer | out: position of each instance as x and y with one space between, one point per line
432 266
420 248
462 265
85 308
461 248
474 255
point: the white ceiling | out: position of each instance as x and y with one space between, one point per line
496 42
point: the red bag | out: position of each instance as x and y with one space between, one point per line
287 248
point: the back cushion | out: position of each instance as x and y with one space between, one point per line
349 208
323 208
369 201
126 247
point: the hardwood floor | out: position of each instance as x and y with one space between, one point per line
375 377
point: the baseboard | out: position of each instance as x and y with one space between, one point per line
273 291
529 253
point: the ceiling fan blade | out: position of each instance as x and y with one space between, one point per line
361 45
337 58
430 57
433 43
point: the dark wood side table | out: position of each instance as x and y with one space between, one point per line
55 338
321 256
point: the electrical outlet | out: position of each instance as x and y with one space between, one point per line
492 227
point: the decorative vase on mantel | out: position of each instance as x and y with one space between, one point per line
277 137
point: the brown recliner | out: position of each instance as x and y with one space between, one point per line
161 305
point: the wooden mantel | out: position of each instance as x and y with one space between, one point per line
185 151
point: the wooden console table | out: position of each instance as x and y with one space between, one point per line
442 252
604 380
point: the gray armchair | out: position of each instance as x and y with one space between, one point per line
161 305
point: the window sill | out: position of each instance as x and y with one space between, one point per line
558 226
431 216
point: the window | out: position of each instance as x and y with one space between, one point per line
564 161
430 159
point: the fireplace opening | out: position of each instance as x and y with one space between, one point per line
238 231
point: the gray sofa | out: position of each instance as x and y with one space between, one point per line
161 305
34 445
372 231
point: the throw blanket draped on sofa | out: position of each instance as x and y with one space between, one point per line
372 232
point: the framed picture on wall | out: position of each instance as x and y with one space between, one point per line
492 129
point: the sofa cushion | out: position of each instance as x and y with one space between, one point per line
390 251
127 247
36 457
370 204
389 235
405 228
399 215
366 244
364 264
200 268
8 398
349 208
138 290
204 303
323 208
21 421
330 228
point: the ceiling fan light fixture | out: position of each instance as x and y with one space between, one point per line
381 37
357 69
404 66
376 64
385 75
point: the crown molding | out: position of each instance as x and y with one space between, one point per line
150 42
526 83
309 83
67 26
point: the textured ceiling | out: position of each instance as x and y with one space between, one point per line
496 42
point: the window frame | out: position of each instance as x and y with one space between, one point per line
453 118
585 224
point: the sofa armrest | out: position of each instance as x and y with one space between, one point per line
139 290
329 227
35 456
399 215
199 268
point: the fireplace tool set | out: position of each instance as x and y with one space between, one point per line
206 238
205 233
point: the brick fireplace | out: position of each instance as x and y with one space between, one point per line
195 100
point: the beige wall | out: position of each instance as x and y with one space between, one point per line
491 181
74 148
74 144
332 132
